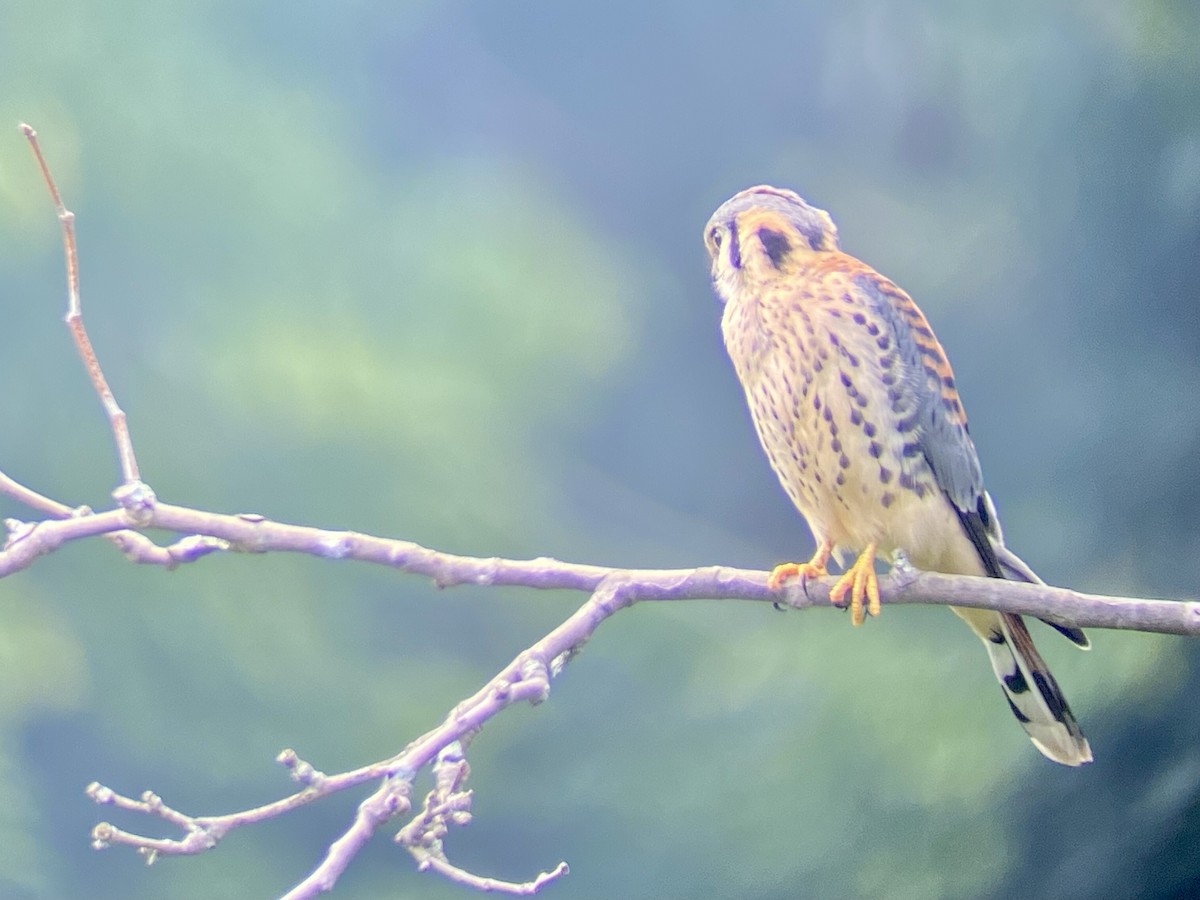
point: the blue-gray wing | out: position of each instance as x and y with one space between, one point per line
925 397
926 400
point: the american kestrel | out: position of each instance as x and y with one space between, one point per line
854 403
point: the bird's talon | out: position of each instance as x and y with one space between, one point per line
859 581
805 571
874 607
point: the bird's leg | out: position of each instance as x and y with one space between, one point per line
861 581
814 568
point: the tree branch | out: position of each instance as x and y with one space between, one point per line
209 532
74 320
528 677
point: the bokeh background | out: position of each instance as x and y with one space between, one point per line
434 270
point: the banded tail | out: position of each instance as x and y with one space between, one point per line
1032 693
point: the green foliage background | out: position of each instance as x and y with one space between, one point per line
433 270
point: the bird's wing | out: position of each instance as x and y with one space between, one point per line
941 427
927 394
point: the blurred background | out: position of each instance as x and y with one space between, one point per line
434 271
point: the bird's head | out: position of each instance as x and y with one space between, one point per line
762 232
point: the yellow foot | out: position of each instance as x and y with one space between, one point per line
860 581
782 573
814 568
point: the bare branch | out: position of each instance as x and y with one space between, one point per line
528 676
34 500
249 533
522 888
74 319
133 544
525 679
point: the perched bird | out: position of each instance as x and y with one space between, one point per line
854 403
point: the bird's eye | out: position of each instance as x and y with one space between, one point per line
716 236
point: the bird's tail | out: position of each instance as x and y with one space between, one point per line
1032 693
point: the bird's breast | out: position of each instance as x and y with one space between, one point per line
827 398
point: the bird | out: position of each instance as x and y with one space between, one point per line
855 404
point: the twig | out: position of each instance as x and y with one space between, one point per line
133 544
519 888
34 500
132 491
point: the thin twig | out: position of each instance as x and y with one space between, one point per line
488 885
116 416
133 544
34 500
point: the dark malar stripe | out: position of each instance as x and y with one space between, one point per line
735 249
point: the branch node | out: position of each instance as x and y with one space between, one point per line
560 661
301 772
136 498
535 673
397 796
451 768
335 546
100 794
17 531
193 547
613 593
501 690
903 569
102 836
